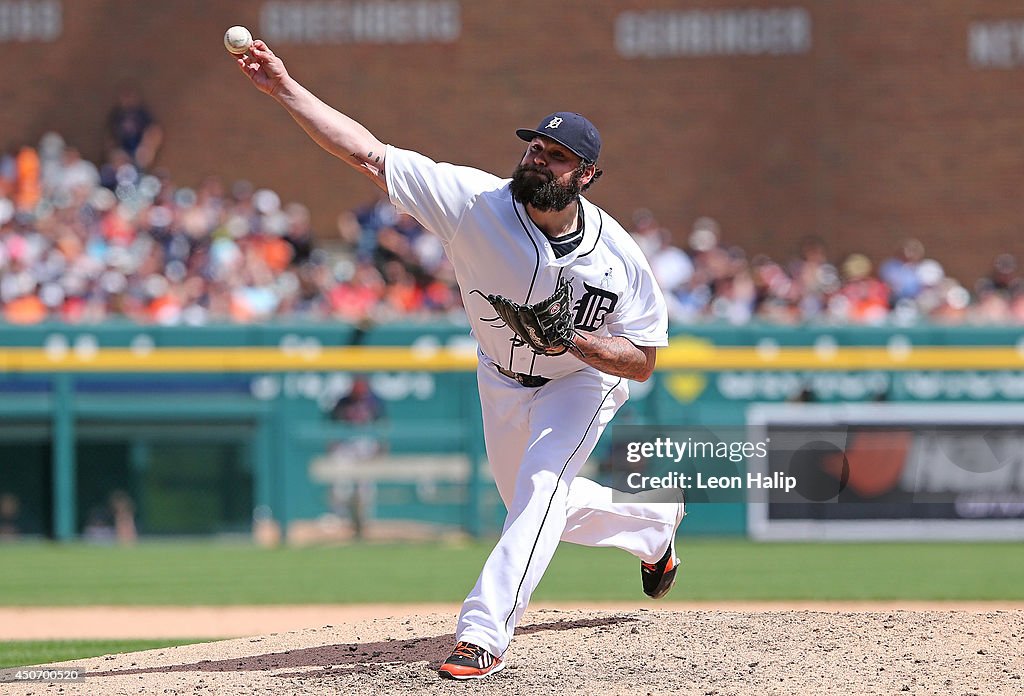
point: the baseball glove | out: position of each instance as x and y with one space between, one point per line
545 326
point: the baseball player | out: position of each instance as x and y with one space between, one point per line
565 311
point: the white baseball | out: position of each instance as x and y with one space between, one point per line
237 40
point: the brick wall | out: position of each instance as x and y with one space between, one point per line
880 130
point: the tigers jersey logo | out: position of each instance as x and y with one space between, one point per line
593 306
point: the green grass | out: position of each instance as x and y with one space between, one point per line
22 653
163 573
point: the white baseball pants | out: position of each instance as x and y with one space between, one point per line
537 440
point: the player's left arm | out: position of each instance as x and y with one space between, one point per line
615 355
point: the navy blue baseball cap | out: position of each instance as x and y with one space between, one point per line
569 129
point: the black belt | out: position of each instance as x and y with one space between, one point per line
532 381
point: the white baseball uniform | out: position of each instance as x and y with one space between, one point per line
538 437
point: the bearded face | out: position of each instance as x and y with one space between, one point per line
536 186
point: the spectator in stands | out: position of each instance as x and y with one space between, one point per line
350 231
372 218
1005 276
735 292
357 298
27 179
946 303
671 265
118 171
863 298
132 129
402 295
691 300
900 271
935 290
1017 306
51 152
775 292
991 304
440 292
298 233
75 178
815 279
8 173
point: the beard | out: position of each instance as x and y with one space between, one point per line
537 187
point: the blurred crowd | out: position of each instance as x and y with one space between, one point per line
87 243
81 242
711 281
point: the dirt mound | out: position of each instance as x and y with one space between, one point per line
600 652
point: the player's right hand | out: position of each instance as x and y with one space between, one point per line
263 67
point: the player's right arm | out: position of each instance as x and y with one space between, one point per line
343 137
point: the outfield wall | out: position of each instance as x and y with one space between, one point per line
205 427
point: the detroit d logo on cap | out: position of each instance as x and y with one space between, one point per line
554 123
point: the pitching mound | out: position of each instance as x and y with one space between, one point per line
599 652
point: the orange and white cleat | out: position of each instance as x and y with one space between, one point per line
469 661
659 577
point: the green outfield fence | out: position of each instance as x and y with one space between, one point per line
206 427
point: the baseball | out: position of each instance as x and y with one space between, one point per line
237 40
